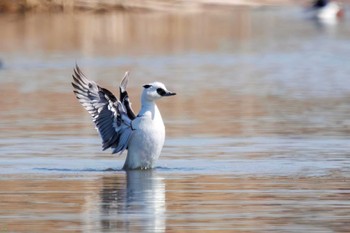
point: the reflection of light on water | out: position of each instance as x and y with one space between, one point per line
89 213
135 202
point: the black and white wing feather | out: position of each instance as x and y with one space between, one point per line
124 97
108 113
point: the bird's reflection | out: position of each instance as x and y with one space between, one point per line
134 202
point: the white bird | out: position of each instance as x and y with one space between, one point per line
327 10
142 135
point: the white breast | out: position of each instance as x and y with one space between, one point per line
147 141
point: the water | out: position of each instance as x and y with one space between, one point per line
257 137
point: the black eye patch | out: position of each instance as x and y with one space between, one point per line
147 86
161 91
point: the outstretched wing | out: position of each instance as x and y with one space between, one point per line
108 113
124 97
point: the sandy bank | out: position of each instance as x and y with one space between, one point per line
129 5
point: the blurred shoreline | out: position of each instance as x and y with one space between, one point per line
101 6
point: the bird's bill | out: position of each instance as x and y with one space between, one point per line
169 93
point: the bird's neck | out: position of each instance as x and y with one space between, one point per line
149 108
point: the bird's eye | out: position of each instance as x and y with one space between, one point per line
161 91
147 86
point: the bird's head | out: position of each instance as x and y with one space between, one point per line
154 91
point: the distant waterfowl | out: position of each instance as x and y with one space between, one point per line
327 10
142 135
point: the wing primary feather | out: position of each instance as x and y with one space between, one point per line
78 88
78 76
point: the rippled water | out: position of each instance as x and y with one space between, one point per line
257 137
